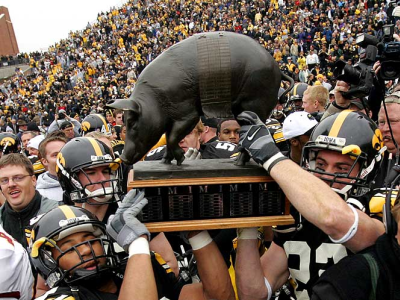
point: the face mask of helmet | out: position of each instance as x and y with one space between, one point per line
80 271
92 268
353 185
358 139
79 167
295 104
108 190
277 113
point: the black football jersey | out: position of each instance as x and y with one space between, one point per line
310 252
218 149
156 154
118 147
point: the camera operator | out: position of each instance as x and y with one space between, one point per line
379 62
340 103
60 118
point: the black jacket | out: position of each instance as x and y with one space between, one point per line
17 224
350 279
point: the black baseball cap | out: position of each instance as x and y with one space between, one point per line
66 124
32 126
210 122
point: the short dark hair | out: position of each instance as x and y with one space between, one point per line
16 159
117 112
223 121
33 133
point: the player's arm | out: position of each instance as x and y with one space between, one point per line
312 197
139 282
320 205
215 279
257 278
133 236
75 122
340 103
161 245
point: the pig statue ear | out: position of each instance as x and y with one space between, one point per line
124 104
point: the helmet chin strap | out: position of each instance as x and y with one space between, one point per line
343 192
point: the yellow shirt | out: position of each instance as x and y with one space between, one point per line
278 56
301 61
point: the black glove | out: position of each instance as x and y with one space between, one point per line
256 139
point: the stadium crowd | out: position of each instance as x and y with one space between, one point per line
103 61
69 227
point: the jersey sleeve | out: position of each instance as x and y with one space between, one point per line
16 273
376 202
167 284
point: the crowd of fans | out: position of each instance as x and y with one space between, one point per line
102 62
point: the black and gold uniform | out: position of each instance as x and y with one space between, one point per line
78 282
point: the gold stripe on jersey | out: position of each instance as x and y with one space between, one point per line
38 167
337 125
116 143
115 165
278 136
162 262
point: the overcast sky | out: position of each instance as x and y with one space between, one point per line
41 23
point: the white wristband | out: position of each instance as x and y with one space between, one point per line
268 285
139 246
268 163
352 231
247 233
200 240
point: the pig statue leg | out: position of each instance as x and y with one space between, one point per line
178 131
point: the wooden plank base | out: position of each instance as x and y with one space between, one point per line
225 223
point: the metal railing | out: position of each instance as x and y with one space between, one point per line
13 62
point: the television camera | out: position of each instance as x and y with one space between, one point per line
360 77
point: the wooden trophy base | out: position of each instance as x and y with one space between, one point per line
209 194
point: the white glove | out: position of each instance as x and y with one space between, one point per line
192 154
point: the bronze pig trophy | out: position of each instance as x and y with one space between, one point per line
215 74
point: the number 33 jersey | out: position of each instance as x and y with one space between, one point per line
310 252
